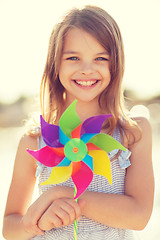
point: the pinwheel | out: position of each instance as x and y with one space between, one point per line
76 149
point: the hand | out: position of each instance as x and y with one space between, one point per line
30 225
39 207
62 212
35 211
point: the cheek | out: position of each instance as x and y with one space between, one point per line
106 73
66 69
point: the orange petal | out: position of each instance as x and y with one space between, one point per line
59 151
75 167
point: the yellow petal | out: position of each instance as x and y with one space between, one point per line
59 175
101 164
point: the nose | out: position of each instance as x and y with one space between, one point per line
87 68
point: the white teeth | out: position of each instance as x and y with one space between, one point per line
86 83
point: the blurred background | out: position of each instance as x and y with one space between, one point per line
25 27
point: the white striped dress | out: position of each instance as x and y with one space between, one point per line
87 228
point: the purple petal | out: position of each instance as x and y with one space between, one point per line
50 133
93 124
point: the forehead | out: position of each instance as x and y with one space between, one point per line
78 39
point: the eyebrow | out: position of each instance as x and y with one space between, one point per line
74 52
70 52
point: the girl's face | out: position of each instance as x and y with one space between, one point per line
84 71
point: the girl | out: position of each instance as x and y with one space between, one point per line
85 62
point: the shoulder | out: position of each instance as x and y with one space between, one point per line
28 141
144 135
139 127
22 156
142 122
144 125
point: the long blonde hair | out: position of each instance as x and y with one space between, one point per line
105 30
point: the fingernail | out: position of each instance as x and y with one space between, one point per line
78 219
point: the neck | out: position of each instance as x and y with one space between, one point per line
86 109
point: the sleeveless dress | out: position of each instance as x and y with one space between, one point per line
88 229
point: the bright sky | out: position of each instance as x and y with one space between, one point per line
25 27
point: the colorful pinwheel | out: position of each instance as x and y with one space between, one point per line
76 149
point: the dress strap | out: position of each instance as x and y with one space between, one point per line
123 158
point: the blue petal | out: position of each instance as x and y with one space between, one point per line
87 136
62 137
64 163
88 160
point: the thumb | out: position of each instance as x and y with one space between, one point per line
81 203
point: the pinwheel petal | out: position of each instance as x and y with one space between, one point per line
59 151
93 124
62 137
88 160
59 175
82 178
46 156
106 142
64 163
101 164
75 167
68 123
91 146
50 133
87 136
76 132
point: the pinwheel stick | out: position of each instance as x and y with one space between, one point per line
75 221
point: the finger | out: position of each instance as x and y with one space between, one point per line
70 208
50 220
54 221
76 211
64 211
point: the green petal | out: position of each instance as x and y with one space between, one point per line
69 119
106 142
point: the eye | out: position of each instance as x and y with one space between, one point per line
73 58
101 59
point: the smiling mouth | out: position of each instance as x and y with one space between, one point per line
86 83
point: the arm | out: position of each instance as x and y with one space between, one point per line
132 210
20 192
21 218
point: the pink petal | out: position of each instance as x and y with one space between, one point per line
46 156
82 179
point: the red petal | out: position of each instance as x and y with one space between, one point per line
76 132
92 146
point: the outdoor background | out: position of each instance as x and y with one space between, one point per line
25 27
